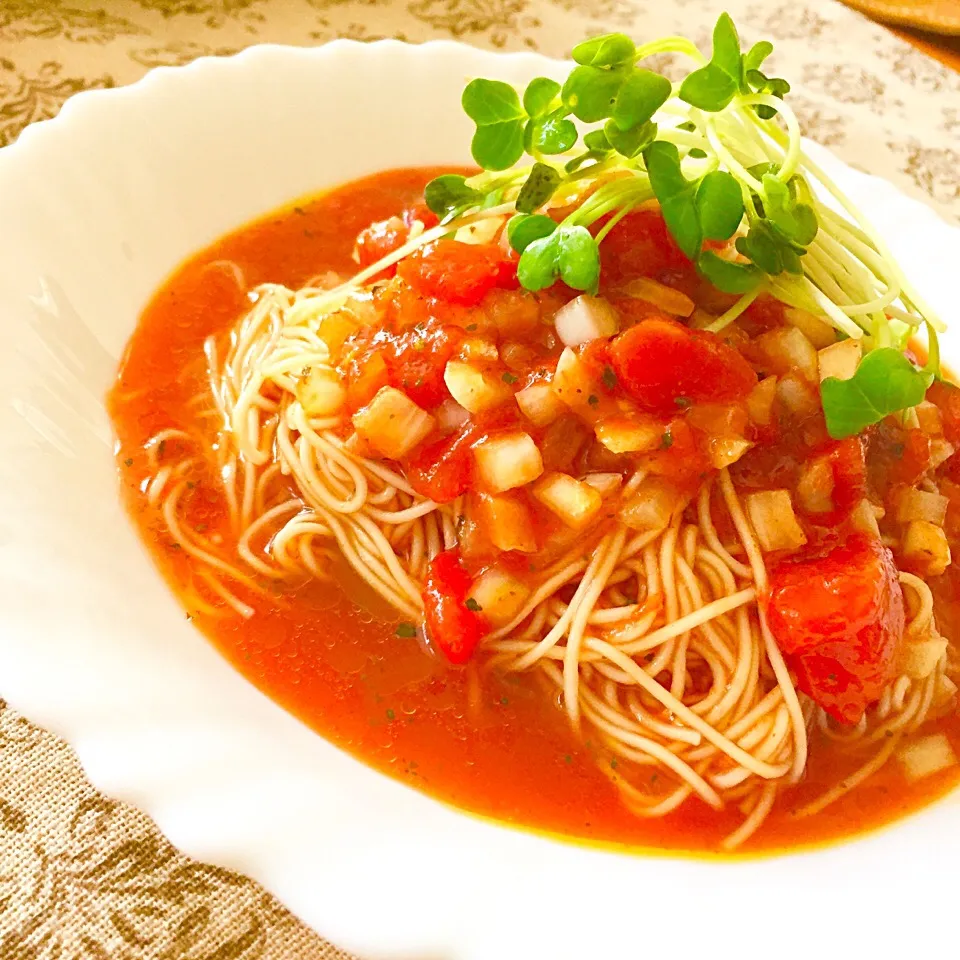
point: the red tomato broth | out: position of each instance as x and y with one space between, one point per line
497 746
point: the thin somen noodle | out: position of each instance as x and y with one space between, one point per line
655 642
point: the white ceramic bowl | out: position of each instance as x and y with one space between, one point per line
96 208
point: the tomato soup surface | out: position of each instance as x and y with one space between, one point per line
495 745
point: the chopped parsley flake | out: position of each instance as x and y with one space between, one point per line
593 399
666 441
609 378
406 629
473 605
509 377
682 402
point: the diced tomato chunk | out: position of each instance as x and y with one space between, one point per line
453 628
442 470
416 361
460 273
665 367
380 238
384 236
412 361
838 616
848 467
896 456
947 397
680 457
640 246
765 313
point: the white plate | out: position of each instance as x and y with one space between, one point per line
96 208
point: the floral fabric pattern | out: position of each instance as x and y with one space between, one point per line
83 877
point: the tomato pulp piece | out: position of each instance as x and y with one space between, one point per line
666 367
640 246
453 628
460 273
442 470
374 242
416 359
838 617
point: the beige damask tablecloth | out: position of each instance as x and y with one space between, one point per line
82 876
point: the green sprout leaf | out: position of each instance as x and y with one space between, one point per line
538 267
488 102
605 51
632 142
713 86
539 96
495 108
523 229
726 45
569 253
719 205
498 146
578 258
756 55
538 188
643 93
677 196
597 141
729 277
885 382
450 192
554 134
590 92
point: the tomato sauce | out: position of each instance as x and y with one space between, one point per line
496 746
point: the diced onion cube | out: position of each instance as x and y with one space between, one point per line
507 522
474 389
638 434
940 451
926 756
321 392
574 502
573 384
585 318
775 523
919 658
392 423
451 416
660 295
839 360
815 486
798 396
815 329
606 484
499 596
925 548
507 461
863 518
760 402
539 404
479 349
928 418
787 350
915 504
653 505
725 451
335 328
